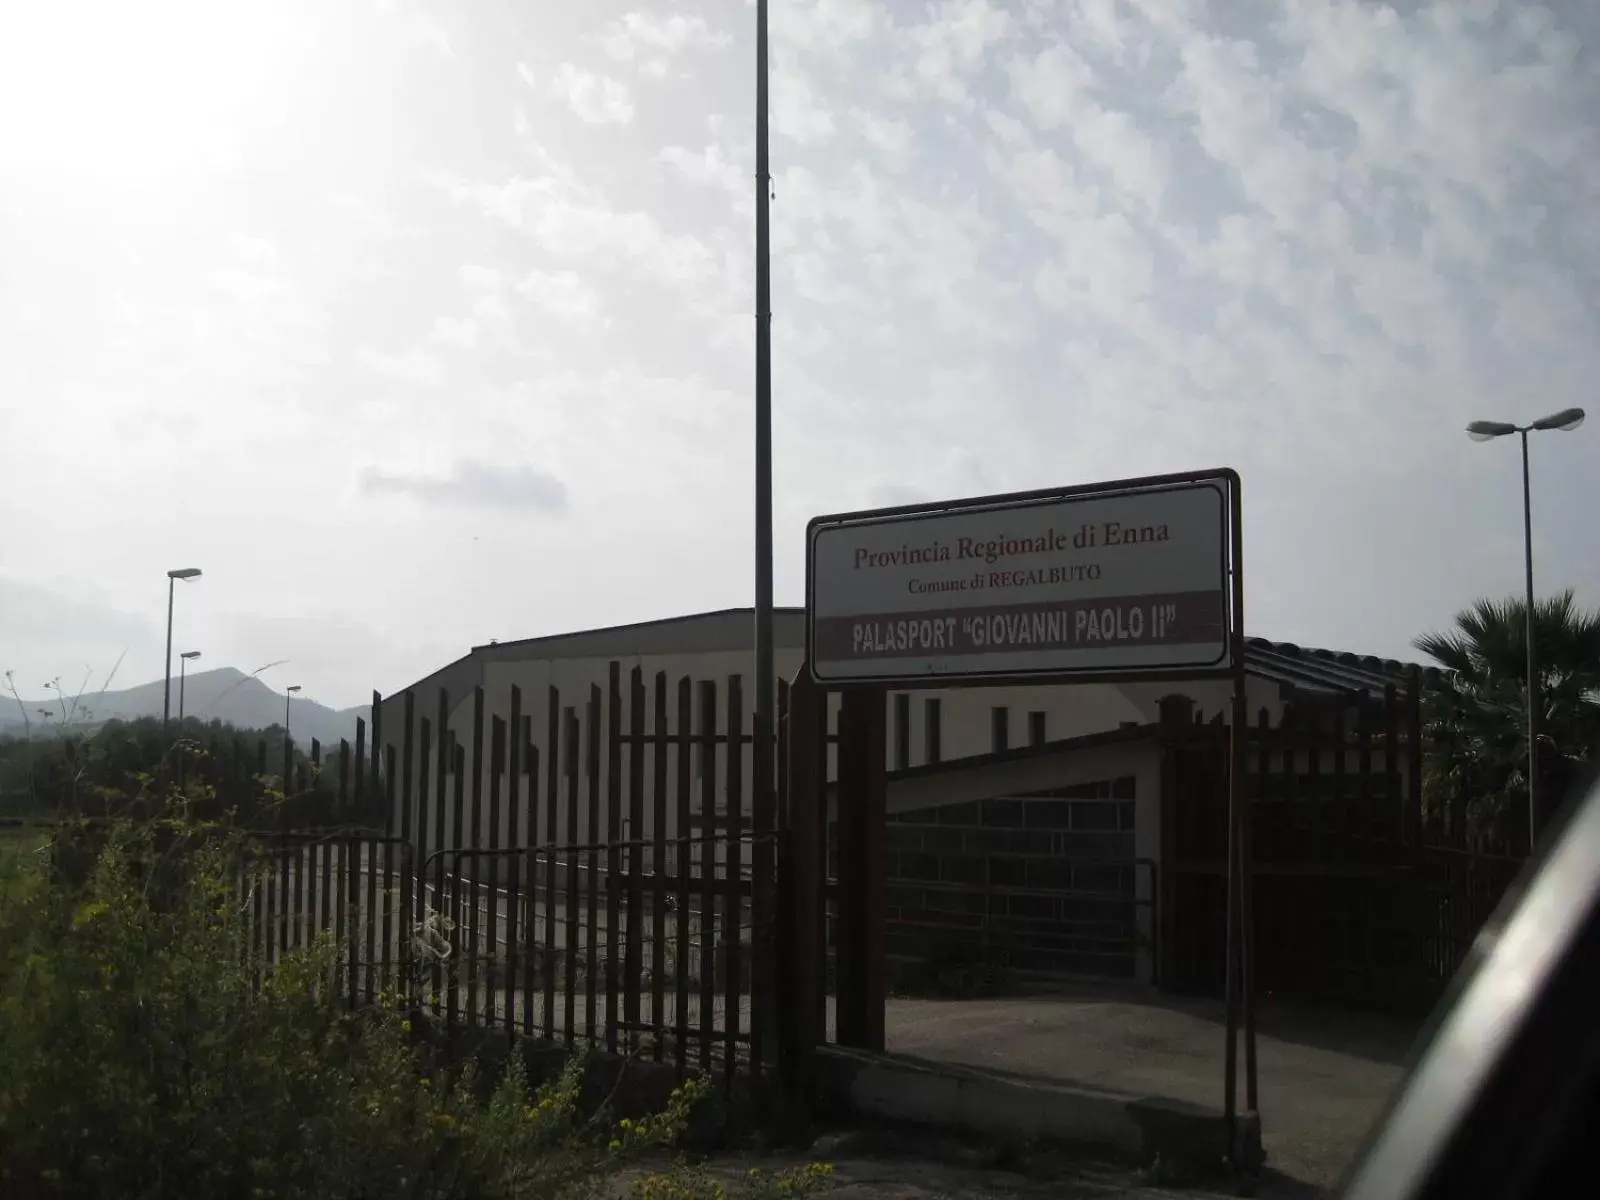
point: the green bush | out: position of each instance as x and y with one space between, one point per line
147 1053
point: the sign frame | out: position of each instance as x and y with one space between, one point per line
1224 667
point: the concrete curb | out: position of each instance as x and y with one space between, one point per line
1012 1111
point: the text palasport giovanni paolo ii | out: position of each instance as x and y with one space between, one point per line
1134 581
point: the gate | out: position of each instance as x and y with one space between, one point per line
1353 907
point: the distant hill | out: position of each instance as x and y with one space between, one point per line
224 694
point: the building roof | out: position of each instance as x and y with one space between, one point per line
1285 663
634 628
1327 670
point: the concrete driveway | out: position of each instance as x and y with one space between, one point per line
1324 1077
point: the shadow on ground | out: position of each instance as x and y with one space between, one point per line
1325 1077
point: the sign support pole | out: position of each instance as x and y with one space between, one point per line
862 820
800 959
1244 1136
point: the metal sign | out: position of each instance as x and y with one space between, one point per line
1117 579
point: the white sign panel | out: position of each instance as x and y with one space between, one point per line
1119 580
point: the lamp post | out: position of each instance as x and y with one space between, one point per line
763 753
1566 420
763 757
185 574
184 659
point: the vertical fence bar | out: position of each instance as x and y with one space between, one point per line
495 978
375 762
260 923
614 831
1341 778
316 858
781 817
424 842
1394 825
1368 832
1413 809
341 914
1314 797
396 897
570 750
473 865
708 868
450 879
530 956
306 862
1264 792
358 774
282 894
635 969
363 850
404 918
324 915
684 847
1339 823
442 965
594 942
1289 841
360 919
733 905
554 756
513 897
659 745
827 956
354 878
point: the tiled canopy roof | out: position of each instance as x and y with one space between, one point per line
1326 670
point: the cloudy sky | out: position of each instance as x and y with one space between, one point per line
416 325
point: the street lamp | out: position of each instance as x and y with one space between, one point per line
186 574
1566 420
288 742
288 697
184 659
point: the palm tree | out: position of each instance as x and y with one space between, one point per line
1476 774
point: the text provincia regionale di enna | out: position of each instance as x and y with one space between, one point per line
1094 535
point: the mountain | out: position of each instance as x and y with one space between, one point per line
224 694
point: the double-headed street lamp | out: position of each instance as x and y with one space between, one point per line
184 659
186 574
1566 420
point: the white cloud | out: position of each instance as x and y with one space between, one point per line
561 293
473 484
594 98
415 367
652 41
709 168
457 332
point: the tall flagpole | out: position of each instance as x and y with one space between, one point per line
765 672
764 749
